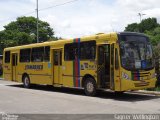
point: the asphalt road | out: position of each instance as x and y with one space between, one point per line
15 99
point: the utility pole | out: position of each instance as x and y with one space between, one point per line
140 16
37 24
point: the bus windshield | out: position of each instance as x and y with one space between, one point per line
136 52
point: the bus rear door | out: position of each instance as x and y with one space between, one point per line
57 66
14 66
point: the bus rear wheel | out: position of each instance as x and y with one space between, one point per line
90 87
26 81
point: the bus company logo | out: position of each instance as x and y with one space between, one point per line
6 116
34 67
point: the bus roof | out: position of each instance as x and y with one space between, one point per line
63 41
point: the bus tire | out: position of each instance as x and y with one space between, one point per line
26 81
90 87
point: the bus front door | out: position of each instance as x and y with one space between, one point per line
57 67
104 66
14 66
115 71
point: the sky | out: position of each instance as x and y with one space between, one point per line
81 17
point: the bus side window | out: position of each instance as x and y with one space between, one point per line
37 54
70 51
7 57
56 58
25 55
87 50
47 54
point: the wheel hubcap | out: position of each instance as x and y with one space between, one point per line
90 87
26 81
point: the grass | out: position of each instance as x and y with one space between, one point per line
1 76
154 89
157 88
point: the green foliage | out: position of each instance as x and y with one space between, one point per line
154 35
148 26
134 27
23 31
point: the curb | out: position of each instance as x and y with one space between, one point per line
147 92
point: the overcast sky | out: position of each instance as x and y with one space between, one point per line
81 17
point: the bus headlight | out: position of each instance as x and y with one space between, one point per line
125 76
154 75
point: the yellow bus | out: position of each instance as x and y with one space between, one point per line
115 61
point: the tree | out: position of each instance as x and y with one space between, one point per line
134 27
154 35
146 25
23 31
28 25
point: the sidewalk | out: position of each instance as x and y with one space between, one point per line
148 92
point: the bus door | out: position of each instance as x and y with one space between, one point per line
57 66
14 66
103 68
115 71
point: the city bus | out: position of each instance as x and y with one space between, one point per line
108 61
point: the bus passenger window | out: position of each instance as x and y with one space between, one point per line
56 58
25 55
7 57
87 50
70 50
47 54
37 54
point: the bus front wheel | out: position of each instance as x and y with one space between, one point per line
90 87
26 81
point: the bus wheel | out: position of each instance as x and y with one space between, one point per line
26 81
90 87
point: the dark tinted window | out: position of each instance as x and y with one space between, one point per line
70 51
7 57
25 55
87 50
84 50
37 54
57 57
47 54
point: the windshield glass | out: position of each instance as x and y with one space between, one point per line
136 53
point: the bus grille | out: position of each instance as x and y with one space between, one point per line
140 75
141 84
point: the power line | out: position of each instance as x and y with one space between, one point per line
61 4
57 5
